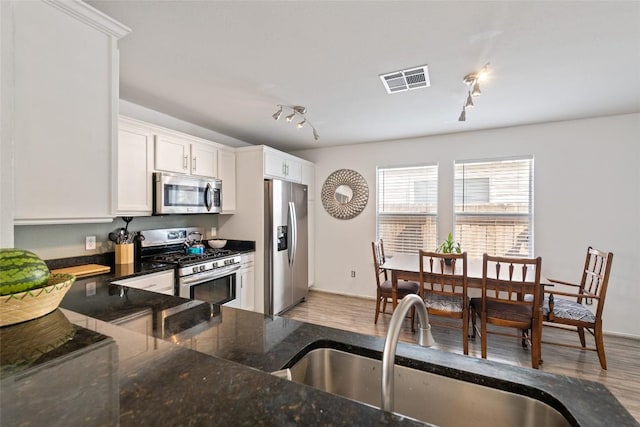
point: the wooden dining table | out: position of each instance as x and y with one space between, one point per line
407 267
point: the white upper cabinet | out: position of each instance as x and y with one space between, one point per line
135 169
227 174
172 154
144 148
64 60
282 166
182 155
204 160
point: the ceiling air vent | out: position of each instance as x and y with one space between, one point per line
413 78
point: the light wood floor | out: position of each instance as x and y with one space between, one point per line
622 377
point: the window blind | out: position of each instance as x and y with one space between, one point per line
407 208
494 207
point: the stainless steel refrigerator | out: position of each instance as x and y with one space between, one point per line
286 245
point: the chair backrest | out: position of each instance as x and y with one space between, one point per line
508 280
595 277
378 259
439 277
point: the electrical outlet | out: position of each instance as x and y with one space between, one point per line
90 243
353 273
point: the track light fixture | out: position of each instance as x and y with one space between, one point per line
277 114
469 102
472 81
463 115
296 110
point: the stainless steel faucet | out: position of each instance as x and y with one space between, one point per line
425 339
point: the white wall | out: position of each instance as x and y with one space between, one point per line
587 192
68 240
148 115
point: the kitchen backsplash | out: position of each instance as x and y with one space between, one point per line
68 240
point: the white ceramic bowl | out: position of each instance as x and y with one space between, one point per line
217 243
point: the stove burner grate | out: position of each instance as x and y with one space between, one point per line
181 258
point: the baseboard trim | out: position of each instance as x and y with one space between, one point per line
621 335
344 294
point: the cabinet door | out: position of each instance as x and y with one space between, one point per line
227 173
274 165
204 160
246 288
135 164
294 171
172 154
63 116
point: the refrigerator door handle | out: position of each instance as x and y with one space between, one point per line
293 232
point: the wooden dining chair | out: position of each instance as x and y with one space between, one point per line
563 312
443 287
505 282
384 292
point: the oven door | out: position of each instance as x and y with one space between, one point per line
217 287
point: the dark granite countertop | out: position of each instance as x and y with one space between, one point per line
214 369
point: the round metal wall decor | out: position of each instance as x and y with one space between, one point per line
345 194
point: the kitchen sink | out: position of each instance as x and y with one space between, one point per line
425 396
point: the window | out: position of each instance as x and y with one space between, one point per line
494 207
407 211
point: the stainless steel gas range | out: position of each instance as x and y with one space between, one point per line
210 276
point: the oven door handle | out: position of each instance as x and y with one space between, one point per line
215 274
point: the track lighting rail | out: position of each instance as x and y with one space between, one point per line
296 110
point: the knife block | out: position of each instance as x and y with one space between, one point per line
124 253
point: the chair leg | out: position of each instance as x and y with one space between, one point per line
384 305
581 335
600 345
524 333
483 334
474 317
536 347
465 332
377 309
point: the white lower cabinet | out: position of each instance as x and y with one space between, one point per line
162 282
247 283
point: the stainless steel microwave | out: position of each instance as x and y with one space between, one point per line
185 194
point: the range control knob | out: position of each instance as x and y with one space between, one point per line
195 269
202 267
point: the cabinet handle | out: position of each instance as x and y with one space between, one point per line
185 162
284 169
194 163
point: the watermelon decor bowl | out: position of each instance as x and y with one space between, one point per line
34 303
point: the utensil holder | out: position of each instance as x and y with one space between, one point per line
125 269
124 253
